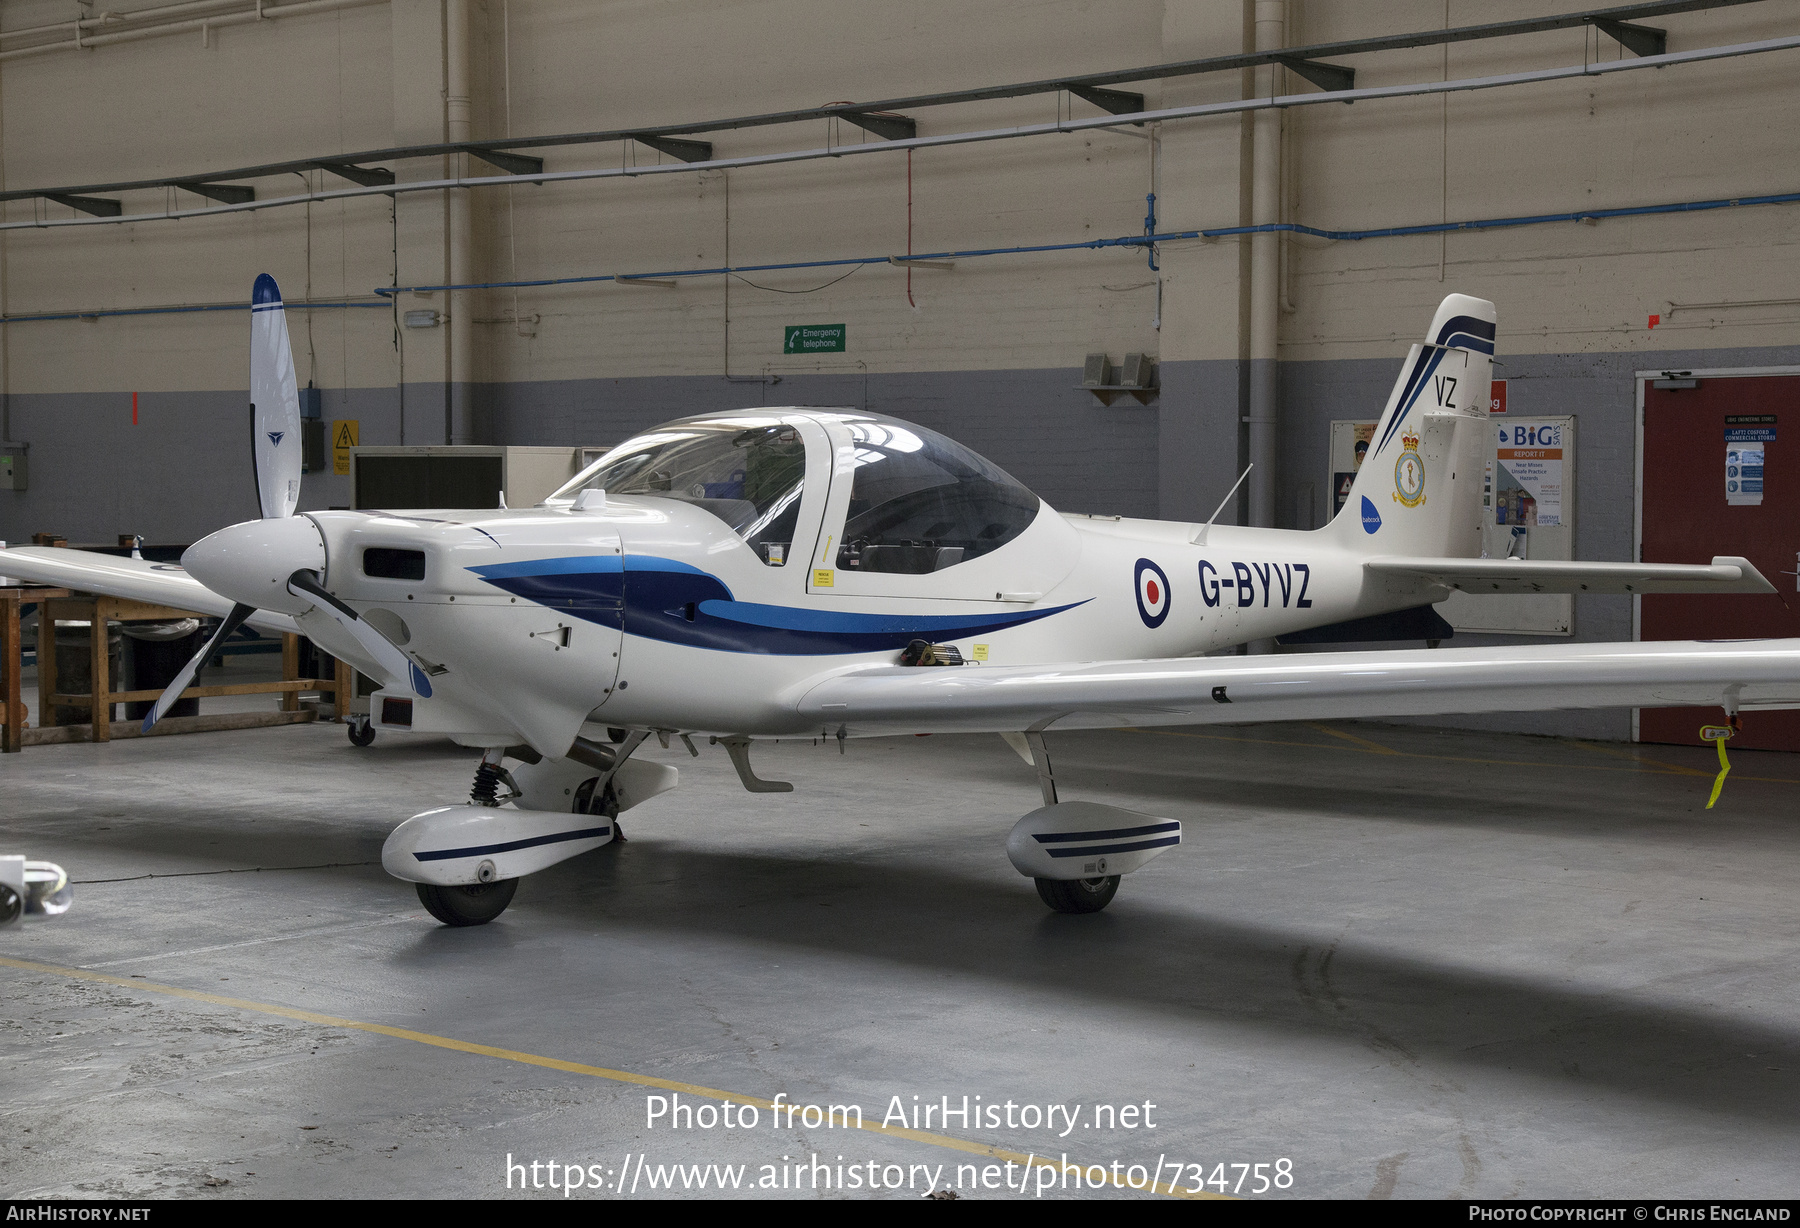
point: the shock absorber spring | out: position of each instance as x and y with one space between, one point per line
486 789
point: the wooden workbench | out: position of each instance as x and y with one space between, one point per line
99 613
12 653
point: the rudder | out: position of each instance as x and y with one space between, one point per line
1418 491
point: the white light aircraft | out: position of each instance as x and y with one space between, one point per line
802 572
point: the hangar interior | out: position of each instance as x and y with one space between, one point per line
1449 956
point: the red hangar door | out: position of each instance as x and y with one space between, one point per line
1691 512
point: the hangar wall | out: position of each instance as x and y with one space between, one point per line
988 351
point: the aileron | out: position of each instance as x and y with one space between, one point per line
1725 574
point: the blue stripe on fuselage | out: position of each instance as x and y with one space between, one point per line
590 587
662 599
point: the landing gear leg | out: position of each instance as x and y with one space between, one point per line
475 903
596 796
1040 759
361 731
1078 895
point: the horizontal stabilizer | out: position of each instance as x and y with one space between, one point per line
1724 574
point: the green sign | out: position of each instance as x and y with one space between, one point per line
813 339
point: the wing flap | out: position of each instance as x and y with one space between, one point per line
1307 686
137 579
1725 574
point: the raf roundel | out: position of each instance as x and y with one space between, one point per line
1152 593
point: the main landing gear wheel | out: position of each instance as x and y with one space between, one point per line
1070 895
476 904
361 731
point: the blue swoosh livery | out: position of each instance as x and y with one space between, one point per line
1459 332
1468 333
662 599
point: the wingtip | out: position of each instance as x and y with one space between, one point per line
1747 571
265 291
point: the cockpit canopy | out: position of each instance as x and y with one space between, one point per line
918 502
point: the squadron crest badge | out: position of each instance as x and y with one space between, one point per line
1409 472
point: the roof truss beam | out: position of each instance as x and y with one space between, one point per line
99 206
511 163
1115 102
886 126
888 118
1331 78
362 176
675 147
1639 40
224 193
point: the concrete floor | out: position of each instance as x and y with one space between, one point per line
1482 966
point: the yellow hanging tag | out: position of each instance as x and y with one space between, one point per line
1716 734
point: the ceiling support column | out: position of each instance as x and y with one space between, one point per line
1265 269
459 227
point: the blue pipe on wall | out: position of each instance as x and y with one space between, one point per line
1147 240
1144 240
169 311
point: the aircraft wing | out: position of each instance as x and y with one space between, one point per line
1725 574
137 579
1306 686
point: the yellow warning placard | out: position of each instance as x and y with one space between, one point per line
822 577
346 433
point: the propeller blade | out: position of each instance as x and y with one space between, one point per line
185 678
274 403
400 668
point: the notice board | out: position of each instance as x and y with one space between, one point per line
1528 509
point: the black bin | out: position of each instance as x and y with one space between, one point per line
154 653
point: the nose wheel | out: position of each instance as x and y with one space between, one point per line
476 904
1077 894
361 731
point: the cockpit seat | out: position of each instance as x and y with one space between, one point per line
905 560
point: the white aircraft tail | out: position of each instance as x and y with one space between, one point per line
1418 491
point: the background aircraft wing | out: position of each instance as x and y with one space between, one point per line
1723 575
1306 686
138 579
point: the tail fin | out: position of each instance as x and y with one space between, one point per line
1419 489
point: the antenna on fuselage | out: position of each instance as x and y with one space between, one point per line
1200 537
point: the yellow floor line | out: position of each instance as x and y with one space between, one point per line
551 1063
1637 757
1373 747
1660 770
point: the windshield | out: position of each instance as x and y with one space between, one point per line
920 502
748 474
